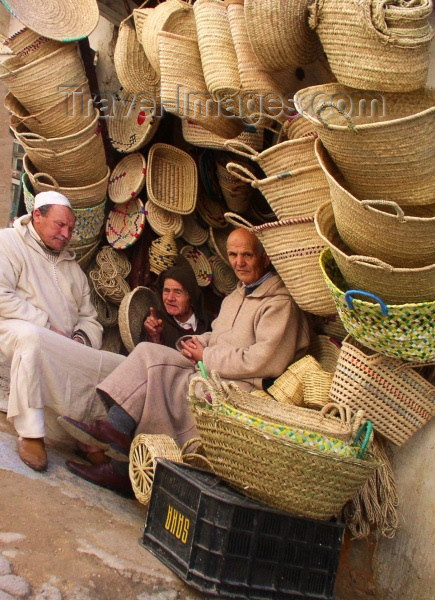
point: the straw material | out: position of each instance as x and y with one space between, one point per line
85 253
392 284
174 16
218 241
140 16
81 165
279 33
325 350
316 387
163 253
224 280
133 310
296 193
288 388
184 91
108 275
380 228
27 45
199 263
296 127
144 450
133 69
383 144
402 331
133 123
112 262
59 70
237 193
172 179
211 212
294 247
373 44
71 111
193 233
125 224
127 178
161 220
301 480
63 20
79 197
218 55
395 398
107 313
198 136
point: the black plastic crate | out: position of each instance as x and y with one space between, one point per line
222 543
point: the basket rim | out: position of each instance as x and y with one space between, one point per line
139 165
140 209
146 295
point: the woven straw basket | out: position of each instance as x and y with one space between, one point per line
279 33
127 178
71 112
161 220
133 310
288 387
392 284
379 227
217 242
133 69
296 127
218 55
325 350
299 192
163 253
375 45
199 263
133 123
60 70
402 331
224 280
236 192
125 224
301 480
63 20
394 396
317 386
198 136
211 212
172 179
193 233
183 87
383 144
173 16
27 45
85 253
79 197
294 247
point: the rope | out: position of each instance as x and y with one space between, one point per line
108 275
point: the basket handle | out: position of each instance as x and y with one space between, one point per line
319 110
241 148
238 221
369 260
365 430
29 136
386 203
348 297
49 153
344 413
51 179
242 173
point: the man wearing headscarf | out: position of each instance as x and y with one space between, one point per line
179 307
49 333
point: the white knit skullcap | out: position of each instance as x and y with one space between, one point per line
51 198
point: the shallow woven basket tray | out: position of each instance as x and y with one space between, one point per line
193 233
132 312
64 20
172 179
224 279
161 220
199 263
127 178
133 123
125 224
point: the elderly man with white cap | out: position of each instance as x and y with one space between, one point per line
49 333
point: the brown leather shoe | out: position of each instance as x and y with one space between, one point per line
32 453
103 475
99 433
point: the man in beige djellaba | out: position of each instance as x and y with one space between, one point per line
49 333
259 331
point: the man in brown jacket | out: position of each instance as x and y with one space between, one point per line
259 331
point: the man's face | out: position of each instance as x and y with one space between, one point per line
244 257
176 300
55 229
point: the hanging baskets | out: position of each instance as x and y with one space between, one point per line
26 45
224 280
172 179
383 144
199 263
161 220
404 331
198 136
373 44
163 253
133 310
125 224
394 396
193 233
127 178
133 124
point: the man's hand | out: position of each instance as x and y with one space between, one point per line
192 349
153 326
